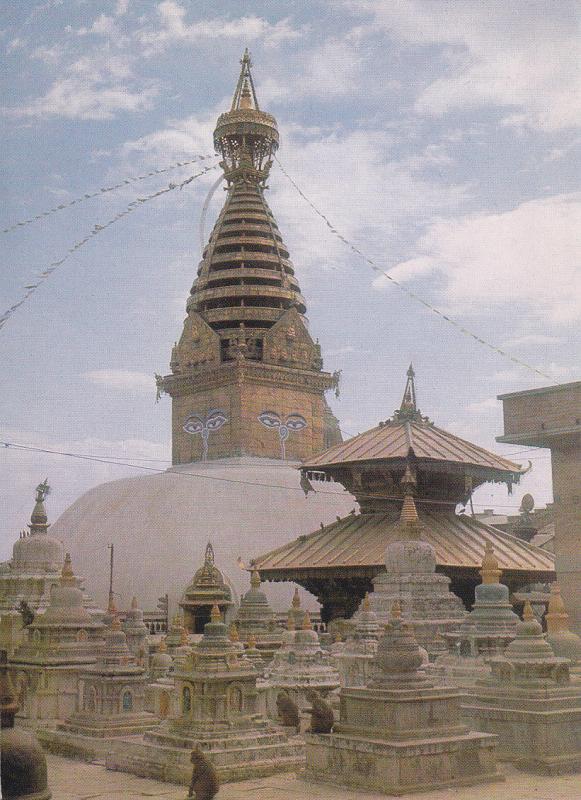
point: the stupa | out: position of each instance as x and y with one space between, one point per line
60 642
136 632
401 733
207 587
160 695
255 618
218 712
355 661
35 567
23 773
564 642
486 631
111 702
338 562
247 387
301 664
175 635
530 703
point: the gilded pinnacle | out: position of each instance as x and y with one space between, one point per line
233 634
215 615
290 626
134 605
528 614
409 514
162 646
115 623
366 605
307 624
296 603
67 574
255 579
490 571
556 616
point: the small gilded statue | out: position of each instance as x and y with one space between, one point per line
288 711
204 784
322 717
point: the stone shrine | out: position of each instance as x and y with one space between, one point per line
401 733
136 632
218 704
530 703
111 702
355 660
411 579
60 642
301 664
256 618
207 587
160 694
486 631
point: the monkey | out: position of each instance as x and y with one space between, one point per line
205 783
322 717
288 711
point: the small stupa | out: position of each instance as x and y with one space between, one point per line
175 634
161 662
411 579
486 631
23 774
300 665
295 612
160 696
111 702
530 703
563 641
256 618
217 712
60 642
136 632
401 733
355 660
208 587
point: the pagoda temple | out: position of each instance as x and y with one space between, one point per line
338 562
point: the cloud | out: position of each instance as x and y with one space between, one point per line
484 406
522 55
122 379
528 256
533 339
95 86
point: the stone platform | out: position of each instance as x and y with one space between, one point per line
236 754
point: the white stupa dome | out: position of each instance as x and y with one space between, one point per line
160 525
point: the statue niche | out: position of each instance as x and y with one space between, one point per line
289 343
198 345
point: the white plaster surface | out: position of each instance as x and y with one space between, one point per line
75 780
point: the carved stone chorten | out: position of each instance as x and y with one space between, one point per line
401 733
530 703
247 377
207 587
356 659
486 631
255 618
410 579
217 712
23 774
136 632
563 641
111 702
300 665
35 567
60 642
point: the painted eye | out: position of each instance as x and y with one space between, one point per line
194 424
270 419
215 420
295 422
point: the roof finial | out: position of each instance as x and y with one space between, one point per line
489 570
209 555
215 615
38 518
255 579
556 616
408 402
296 602
307 624
245 94
67 574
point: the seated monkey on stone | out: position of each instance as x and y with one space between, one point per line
288 711
205 783
322 717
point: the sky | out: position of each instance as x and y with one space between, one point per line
441 138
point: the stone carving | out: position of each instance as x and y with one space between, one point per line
198 345
288 342
322 717
293 422
204 784
288 711
204 425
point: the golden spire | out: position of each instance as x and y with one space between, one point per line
527 612
255 579
67 575
245 94
183 636
489 570
296 603
215 615
233 634
366 605
115 623
175 623
556 616
409 514
162 646
307 624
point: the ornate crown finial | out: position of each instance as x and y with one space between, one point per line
233 634
67 574
215 615
489 570
209 555
556 616
408 409
162 646
307 624
296 602
527 613
255 579
115 623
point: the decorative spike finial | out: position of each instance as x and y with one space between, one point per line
215 615
38 518
111 607
255 579
366 605
307 624
528 614
409 513
408 410
556 616
115 623
233 634
245 93
209 555
67 574
489 570
162 646
296 602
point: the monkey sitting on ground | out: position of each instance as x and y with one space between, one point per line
288 711
322 717
204 784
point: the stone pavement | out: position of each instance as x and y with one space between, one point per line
76 780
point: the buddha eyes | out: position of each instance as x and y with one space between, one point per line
215 420
295 422
195 423
270 419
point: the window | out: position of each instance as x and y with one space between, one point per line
127 701
186 700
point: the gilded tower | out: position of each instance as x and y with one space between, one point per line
246 376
